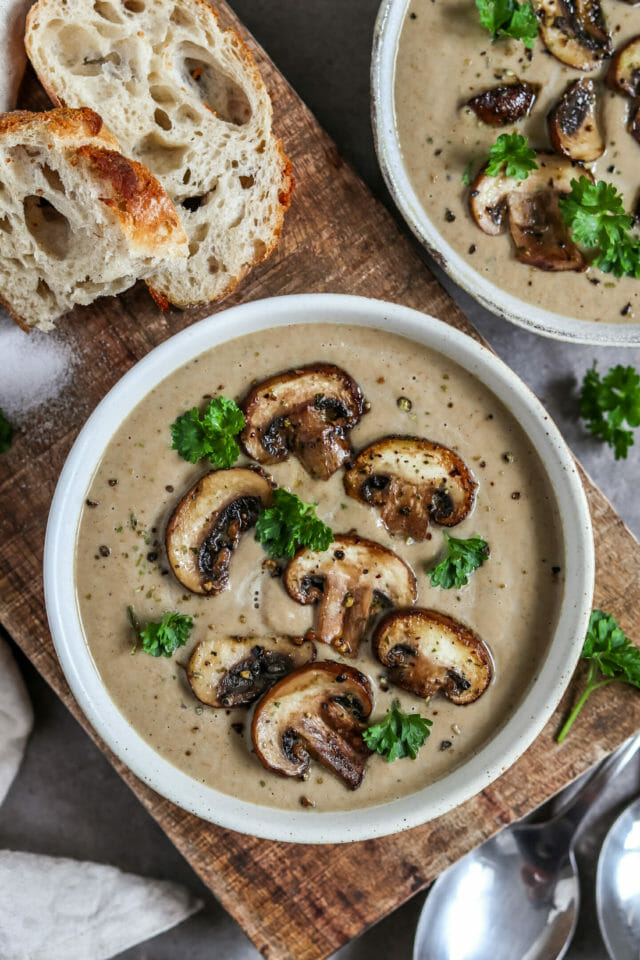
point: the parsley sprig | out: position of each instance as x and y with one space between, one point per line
511 151
162 638
210 435
508 18
612 659
289 524
6 433
398 735
462 558
596 216
606 403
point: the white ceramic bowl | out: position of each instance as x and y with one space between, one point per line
310 826
388 28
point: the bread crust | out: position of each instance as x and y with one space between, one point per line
137 199
17 319
61 123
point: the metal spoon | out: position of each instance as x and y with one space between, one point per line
618 886
516 897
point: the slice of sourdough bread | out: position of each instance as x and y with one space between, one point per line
185 98
77 219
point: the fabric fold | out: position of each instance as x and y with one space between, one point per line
12 20
16 718
58 909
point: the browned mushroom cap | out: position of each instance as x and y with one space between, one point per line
231 671
427 653
316 712
573 123
345 580
505 103
489 200
206 525
541 236
307 412
411 480
574 31
531 207
623 74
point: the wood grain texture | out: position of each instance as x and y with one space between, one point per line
292 900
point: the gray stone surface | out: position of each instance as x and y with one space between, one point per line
67 800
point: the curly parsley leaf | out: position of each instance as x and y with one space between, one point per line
162 638
462 558
289 524
508 18
594 208
212 435
607 403
398 735
223 415
597 219
622 260
511 151
224 450
188 436
612 659
6 433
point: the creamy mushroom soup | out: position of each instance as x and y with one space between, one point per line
511 602
446 57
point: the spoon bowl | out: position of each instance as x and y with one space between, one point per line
509 898
518 894
618 886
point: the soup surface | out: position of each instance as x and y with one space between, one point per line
511 602
445 57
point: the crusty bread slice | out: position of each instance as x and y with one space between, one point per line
185 98
77 219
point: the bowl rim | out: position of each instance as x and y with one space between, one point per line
388 26
309 826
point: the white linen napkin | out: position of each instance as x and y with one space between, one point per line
14 58
57 909
16 718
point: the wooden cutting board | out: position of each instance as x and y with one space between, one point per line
297 901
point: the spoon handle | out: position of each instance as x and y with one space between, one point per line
576 808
